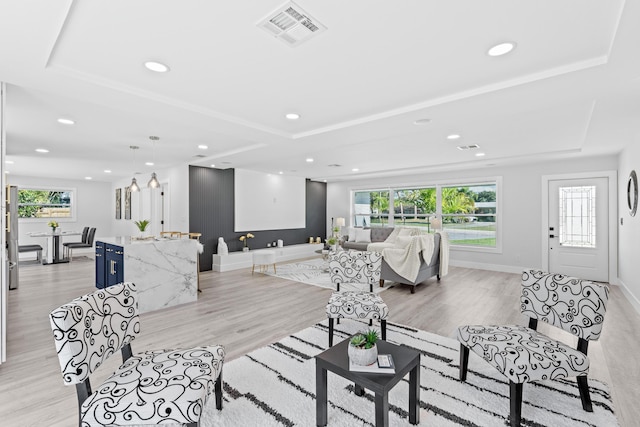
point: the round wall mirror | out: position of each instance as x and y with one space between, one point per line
632 193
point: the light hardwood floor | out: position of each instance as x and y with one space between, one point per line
244 312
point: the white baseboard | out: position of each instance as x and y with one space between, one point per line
484 266
635 302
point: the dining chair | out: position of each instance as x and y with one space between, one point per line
83 239
522 354
79 245
152 387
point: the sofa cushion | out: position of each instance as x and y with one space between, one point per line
352 234
363 235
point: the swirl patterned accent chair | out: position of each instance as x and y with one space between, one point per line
359 269
153 387
524 355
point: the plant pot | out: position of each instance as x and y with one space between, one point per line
245 249
362 356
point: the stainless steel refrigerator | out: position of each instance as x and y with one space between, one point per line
12 236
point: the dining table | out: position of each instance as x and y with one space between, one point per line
54 240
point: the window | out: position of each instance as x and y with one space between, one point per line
41 203
578 216
469 212
371 208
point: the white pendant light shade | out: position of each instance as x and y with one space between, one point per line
134 185
153 182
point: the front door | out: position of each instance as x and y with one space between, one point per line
578 228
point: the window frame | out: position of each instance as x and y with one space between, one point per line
73 202
439 184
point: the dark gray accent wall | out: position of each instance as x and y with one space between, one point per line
211 204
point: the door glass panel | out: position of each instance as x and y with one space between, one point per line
578 216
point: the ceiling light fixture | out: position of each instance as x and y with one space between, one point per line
501 49
134 184
453 136
421 122
480 154
309 160
148 163
9 162
42 150
107 171
292 116
153 182
156 66
66 121
355 170
280 172
203 147
213 166
88 178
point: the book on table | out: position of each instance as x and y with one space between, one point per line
382 365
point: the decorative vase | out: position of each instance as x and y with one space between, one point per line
53 229
362 356
245 249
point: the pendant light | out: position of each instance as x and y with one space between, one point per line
134 185
153 182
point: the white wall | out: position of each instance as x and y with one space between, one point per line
94 205
629 231
521 198
175 182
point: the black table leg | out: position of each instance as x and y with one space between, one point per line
382 410
321 396
359 390
414 394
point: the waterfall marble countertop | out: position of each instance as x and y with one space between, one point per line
165 271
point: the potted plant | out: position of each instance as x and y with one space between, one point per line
245 239
142 225
362 348
332 242
53 225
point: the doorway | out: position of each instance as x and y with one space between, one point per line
579 225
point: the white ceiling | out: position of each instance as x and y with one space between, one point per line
570 88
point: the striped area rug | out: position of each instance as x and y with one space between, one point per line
275 386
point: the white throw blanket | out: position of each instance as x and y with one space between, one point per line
406 261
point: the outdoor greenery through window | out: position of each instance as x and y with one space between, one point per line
34 203
468 212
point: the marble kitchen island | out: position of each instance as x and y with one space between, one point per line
165 271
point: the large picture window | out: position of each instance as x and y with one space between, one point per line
41 203
469 212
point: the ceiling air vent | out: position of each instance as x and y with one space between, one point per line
291 24
200 156
468 147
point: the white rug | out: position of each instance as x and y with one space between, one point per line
275 385
314 272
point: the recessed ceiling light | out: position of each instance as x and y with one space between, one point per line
203 147
501 49
480 154
355 170
280 172
292 116
422 122
309 160
9 162
453 136
88 178
156 66
324 180
66 121
149 163
42 150
107 171
213 166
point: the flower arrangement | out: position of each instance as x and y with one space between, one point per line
53 224
245 238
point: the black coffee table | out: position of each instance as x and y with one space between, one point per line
335 359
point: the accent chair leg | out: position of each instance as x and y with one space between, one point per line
381 283
413 289
274 268
383 328
370 322
585 397
464 361
253 267
331 332
438 276
218 391
515 403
